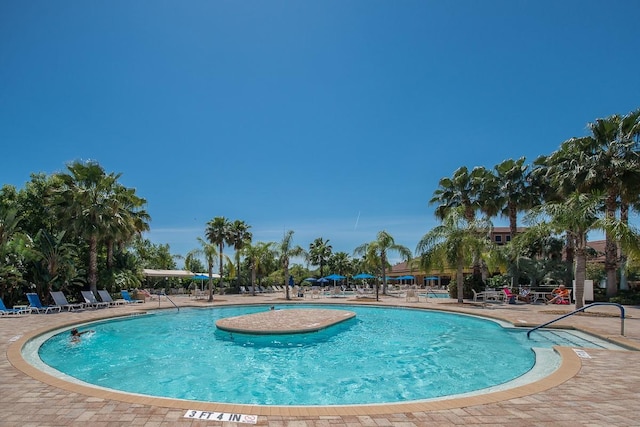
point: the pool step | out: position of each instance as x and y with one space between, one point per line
572 339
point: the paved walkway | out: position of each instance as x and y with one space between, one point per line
603 390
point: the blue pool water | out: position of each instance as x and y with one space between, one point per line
382 355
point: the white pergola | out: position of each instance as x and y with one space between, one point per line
185 274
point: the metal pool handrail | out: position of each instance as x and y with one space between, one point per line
583 309
167 297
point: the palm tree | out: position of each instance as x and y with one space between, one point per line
340 263
87 200
606 161
454 243
14 250
257 256
240 236
55 256
209 251
513 197
286 251
463 189
319 253
128 220
381 247
473 191
217 232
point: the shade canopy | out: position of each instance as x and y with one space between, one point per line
167 273
363 276
202 276
335 277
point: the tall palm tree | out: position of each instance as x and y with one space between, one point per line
454 243
575 216
217 232
606 161
474 191
209 251
240 236
128 220
462 189
319 253
382 246
286 250
87 200
513 196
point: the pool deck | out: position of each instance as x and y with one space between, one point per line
602 390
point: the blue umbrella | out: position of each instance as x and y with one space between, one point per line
310 279
200 277
334 277
322 280
363 276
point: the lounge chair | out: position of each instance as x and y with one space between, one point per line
91 301
509 297
478 295
36 305
61 300
105 296
412 296
127 297
4 311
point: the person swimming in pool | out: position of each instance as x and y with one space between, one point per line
75 334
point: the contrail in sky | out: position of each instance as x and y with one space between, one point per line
357 219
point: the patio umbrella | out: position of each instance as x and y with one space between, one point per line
363 276
201 277
310 279
334 277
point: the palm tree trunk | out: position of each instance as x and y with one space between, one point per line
460 280
624 218
581 273
513 230
611 252
92 274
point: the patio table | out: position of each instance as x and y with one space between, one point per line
542 295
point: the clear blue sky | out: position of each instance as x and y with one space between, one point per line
335 119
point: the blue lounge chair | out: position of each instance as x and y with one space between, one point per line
61 301
36 305
4 311
128 299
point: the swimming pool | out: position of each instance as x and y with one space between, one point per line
383 355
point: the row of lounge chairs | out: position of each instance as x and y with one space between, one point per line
61 303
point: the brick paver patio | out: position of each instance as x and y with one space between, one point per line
603 390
